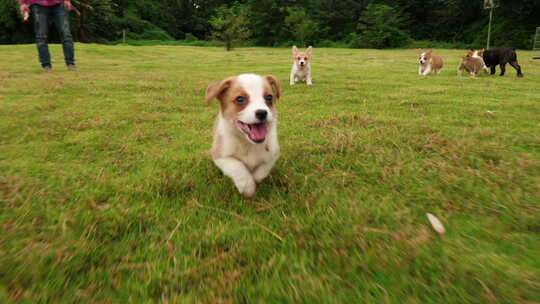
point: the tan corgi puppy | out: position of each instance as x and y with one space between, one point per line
301 68
429 63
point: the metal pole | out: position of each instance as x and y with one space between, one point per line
489 27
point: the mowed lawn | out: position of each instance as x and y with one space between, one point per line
108 193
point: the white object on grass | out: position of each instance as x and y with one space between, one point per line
435 223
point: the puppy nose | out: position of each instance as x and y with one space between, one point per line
261 114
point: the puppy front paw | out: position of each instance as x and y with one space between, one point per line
260 175
246 186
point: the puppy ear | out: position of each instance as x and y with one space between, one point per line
294 50
309 51
217 89
470 52
430 51
274 83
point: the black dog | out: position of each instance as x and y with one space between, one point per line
502 56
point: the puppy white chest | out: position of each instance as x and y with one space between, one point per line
254 156
300 74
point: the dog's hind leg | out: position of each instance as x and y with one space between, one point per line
516 66
493 70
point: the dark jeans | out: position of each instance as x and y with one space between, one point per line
42 15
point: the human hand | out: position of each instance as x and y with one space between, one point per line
25 11
68 6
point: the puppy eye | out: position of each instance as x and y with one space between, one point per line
269 98
305 58
240 100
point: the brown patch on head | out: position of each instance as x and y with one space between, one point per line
218 88
275 87
470 52
481 52
228 94
230 106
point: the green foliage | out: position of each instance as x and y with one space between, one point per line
12 27
97 20
190 37
301 27
504 34
426 44
230 25
303 22
139 29
379 28
266 23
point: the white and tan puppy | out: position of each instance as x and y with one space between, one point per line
480 55
245 143
472 63
429 63
301 68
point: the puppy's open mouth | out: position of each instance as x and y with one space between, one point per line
256 132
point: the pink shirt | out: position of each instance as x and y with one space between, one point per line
41 2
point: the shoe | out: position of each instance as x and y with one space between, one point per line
72 67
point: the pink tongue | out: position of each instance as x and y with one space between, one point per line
258 132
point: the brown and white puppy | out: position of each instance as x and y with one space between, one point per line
301 68
480 55
472 63
245 145
429 63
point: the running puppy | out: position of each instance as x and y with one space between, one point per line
429 63
501 57
301 68
478 54
471 64
245 145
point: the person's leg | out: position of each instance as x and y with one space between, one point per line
61 21
41 28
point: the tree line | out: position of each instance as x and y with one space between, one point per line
347 23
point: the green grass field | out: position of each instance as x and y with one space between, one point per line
108 193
